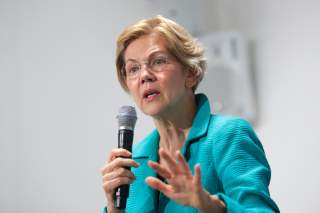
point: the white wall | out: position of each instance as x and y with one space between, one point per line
287 47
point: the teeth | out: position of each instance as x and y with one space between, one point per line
152 94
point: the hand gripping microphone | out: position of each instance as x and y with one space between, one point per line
127 118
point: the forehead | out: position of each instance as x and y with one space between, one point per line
144 46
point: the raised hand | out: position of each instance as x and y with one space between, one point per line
180 185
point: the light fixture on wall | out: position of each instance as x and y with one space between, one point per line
228 81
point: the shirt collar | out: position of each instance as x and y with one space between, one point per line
147 147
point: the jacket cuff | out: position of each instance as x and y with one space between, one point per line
231 205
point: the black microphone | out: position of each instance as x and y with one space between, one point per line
127 118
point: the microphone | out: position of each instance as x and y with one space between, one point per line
127 118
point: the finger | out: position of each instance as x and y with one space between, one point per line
159 185
119 152
197 175
162 171
217 199
120 172
183 164
109 186
172 164
119 162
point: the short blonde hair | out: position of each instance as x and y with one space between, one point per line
186 49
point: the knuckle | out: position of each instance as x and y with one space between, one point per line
106 169
116 162
122 161
103 170
105 178
122 180
106 186
119 181
112 153
121 171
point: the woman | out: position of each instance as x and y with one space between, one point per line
193 160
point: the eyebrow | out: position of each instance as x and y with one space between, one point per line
150 56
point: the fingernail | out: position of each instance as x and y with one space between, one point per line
146 179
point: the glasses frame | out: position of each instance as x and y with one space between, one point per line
149 63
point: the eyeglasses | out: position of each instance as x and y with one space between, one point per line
156 63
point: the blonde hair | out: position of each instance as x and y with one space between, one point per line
180 44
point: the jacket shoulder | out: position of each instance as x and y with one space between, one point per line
228 121
225 126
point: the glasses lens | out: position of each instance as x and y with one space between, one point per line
132 69
158 63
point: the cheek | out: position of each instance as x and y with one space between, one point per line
131 87
133 91
176 82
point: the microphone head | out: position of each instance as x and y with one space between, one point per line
127 117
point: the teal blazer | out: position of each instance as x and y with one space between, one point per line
232 160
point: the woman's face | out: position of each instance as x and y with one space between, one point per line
157 82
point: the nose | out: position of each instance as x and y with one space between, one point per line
146 75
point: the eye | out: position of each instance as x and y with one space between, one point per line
159 61
132 69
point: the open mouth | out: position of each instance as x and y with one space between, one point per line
149 94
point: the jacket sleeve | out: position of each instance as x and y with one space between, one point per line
243 169
105 210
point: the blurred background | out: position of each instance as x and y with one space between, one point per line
59 95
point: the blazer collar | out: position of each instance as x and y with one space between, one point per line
200 123
145 198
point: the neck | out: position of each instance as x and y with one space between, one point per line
174 126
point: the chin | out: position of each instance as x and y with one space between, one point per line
152 110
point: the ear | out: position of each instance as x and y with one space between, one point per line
191 78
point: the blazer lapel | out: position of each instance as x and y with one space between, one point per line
200 124
143 198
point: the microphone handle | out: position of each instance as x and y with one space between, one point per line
125 139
